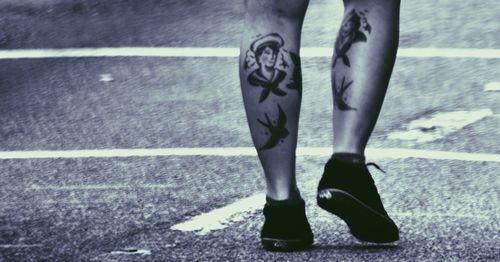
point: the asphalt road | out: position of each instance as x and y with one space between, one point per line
109 209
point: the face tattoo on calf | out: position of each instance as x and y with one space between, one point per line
278 131
267 62
354 29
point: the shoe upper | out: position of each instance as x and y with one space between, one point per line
354 179
286 222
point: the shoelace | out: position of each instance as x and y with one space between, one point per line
376 166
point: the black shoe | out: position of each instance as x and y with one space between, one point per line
348 191
286 227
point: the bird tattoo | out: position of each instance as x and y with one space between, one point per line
339 94
353 30
277 131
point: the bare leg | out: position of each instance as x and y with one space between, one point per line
271 85
365 51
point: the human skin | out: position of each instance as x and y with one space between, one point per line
365 52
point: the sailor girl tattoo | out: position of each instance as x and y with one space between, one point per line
276 129
339 94
354 29
267 63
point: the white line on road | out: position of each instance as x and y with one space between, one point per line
223 217
106 78
227 52
132 251
371 153
492 86
439 125
442 215
220 218
100 187
20 246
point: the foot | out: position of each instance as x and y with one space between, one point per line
286 227
348 191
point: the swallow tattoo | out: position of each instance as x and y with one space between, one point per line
277 131
339 94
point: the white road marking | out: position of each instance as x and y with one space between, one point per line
20 246
439 125
99 187
132 252
442 215
492 86
371 153
106 78
221 217
450 53
227 52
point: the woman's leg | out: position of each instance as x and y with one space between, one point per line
365 52
271 85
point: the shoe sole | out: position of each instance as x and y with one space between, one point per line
281 245
365 223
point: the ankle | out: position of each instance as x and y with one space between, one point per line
352 158
280 199
349 148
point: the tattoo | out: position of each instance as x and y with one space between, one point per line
277 131
354 29
339 94
296 82
267 62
